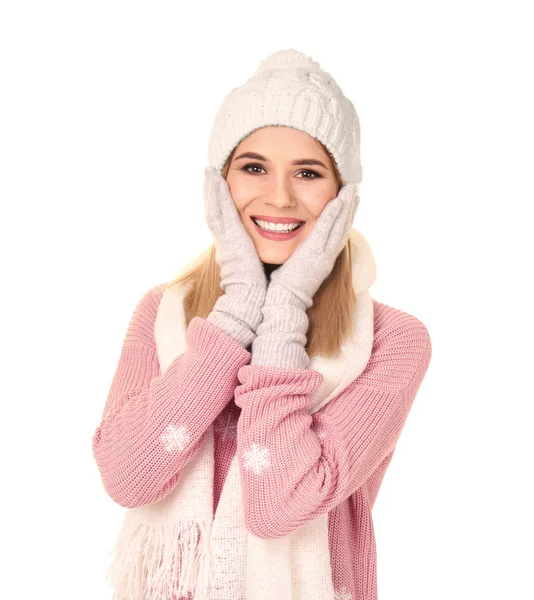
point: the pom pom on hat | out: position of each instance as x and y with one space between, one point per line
287 59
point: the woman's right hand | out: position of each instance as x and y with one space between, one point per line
243 279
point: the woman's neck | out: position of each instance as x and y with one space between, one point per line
269 268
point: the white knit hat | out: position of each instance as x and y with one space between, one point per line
290 88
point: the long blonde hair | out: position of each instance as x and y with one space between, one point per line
330 316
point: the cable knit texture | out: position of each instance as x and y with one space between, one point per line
290 88
333 460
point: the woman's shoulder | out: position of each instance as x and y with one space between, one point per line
391 321
141 326
401 342
152 297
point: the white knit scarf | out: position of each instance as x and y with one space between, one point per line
176 547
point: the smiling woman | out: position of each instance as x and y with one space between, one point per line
276 189
259 396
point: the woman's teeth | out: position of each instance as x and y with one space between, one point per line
278 227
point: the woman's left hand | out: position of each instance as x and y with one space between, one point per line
281 336
312 261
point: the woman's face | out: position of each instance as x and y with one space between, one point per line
280 172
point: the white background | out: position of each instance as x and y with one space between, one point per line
106 109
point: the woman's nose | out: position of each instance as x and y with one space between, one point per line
281 196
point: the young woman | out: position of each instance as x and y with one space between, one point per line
259 396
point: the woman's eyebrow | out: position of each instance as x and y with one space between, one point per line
300 161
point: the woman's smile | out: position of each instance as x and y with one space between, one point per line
276 235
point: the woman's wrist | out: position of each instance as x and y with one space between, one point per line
232 326
238 311
281 336
280 295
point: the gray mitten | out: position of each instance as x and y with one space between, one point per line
238 310
281 337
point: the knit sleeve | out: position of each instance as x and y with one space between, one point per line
154 423
295 465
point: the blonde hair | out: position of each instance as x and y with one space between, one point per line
330 316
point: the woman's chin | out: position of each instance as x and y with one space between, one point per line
274 253
271 261
272 258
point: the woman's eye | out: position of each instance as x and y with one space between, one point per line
246 167
314 173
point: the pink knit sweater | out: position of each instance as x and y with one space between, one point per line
333 460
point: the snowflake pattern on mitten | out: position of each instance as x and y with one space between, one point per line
257 458
343 594
175 438
226 427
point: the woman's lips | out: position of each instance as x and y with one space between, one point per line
284 220
275 236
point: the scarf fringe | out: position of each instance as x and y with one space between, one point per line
166 561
